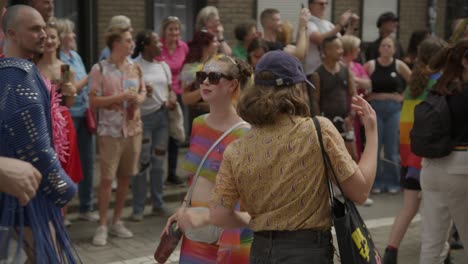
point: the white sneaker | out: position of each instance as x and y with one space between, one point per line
89 216
100 237
368 202
118 229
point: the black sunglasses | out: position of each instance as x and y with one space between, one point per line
213 77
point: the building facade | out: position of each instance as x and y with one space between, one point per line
92 16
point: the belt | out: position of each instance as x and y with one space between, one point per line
314 235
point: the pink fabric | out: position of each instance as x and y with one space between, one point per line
359 72
59 123
120 119
175 61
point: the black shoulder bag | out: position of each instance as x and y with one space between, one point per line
354 239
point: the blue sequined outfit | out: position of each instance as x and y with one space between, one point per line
26 134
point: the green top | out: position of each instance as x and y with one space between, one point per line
239 52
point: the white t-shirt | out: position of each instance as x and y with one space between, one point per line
157 75
313 59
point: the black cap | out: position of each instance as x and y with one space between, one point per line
385 17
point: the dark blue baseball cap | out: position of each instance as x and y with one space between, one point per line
287 69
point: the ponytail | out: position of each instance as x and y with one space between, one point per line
142 39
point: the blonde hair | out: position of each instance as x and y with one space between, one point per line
350 43
166 22
285 36
119 22
237 69
204 15
64 26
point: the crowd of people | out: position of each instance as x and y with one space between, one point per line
254 160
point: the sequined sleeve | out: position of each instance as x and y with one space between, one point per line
26 134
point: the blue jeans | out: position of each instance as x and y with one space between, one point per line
292 247
388 124
86 147
153 153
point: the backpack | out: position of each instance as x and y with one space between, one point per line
431 132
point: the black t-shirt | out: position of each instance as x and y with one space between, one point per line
458 104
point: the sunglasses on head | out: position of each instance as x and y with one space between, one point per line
213 77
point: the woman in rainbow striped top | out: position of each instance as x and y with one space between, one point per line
220 82
420 84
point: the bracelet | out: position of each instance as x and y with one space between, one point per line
67 94
220 40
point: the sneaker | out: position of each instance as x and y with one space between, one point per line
66 222
100 237
162 211
89 216
368 202
136 217
393 190
174 180
390 256
376 191
119 230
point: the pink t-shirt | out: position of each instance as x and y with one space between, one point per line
175 62
358 70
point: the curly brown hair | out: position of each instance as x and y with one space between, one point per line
261 105
420 74
449 61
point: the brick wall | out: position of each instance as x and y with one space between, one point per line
413 16
340 6
135 10
233 13
441 20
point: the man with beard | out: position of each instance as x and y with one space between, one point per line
25 133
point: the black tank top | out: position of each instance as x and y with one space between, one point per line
334 92
386 79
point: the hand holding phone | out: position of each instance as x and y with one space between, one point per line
65 73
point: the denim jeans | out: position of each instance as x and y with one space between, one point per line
86 147
388 125
152 156
292 247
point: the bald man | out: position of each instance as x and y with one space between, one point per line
25 134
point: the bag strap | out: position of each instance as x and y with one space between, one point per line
327 163
197 173
169 85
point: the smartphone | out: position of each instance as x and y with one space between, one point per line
302 6
65 73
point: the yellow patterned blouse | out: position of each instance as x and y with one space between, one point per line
278 174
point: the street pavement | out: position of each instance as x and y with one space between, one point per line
139 249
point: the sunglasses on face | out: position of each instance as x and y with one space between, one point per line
213 77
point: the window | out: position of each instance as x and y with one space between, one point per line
372 9
183 9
